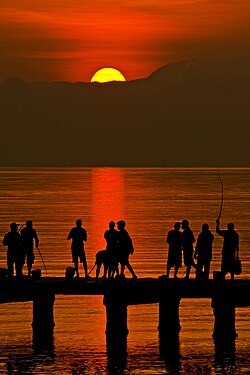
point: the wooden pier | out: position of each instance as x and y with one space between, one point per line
225 296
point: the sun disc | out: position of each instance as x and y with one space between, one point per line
107 75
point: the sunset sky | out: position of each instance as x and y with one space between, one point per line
70 40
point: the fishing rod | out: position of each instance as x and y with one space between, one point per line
222 197
42 260
92 268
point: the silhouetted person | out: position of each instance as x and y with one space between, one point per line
203 252
12 239
101 258
78 235
188 241
125 248
28 236
111 236
175 241
230 249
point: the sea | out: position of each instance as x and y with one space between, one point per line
150 200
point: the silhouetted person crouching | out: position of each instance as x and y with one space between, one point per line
125 248
15 257
28 236
188 241
230 249
78 236
175 241
203 252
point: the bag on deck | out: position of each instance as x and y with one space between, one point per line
237 267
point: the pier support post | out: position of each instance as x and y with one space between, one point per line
43 313
169 324
169 321
224 318
116 319
223 304
116 330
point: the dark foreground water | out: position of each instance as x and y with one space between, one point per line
150 200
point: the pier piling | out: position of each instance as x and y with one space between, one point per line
43 313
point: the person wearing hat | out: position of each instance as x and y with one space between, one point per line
230 249
188 241
28 236
78 235
12 240
125 247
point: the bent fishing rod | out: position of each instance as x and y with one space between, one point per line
222 197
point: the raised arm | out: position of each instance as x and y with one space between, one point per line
218 231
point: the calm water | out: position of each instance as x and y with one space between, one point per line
150 200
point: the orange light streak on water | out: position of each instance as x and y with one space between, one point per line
107 198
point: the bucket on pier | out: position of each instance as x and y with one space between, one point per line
70 273
36 274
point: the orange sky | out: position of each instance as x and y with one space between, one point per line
70 40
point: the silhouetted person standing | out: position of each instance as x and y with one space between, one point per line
28 236
111 236
203 252
125 248
230 249
78 235
12 239
188 241
175 241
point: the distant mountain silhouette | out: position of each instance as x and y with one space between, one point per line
192 113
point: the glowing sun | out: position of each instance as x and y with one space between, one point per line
107 75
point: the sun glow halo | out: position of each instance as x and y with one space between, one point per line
107 75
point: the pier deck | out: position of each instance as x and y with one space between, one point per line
132 292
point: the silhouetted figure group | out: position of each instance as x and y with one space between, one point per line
20 248
183 241
119 247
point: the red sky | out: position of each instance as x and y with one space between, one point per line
70 40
